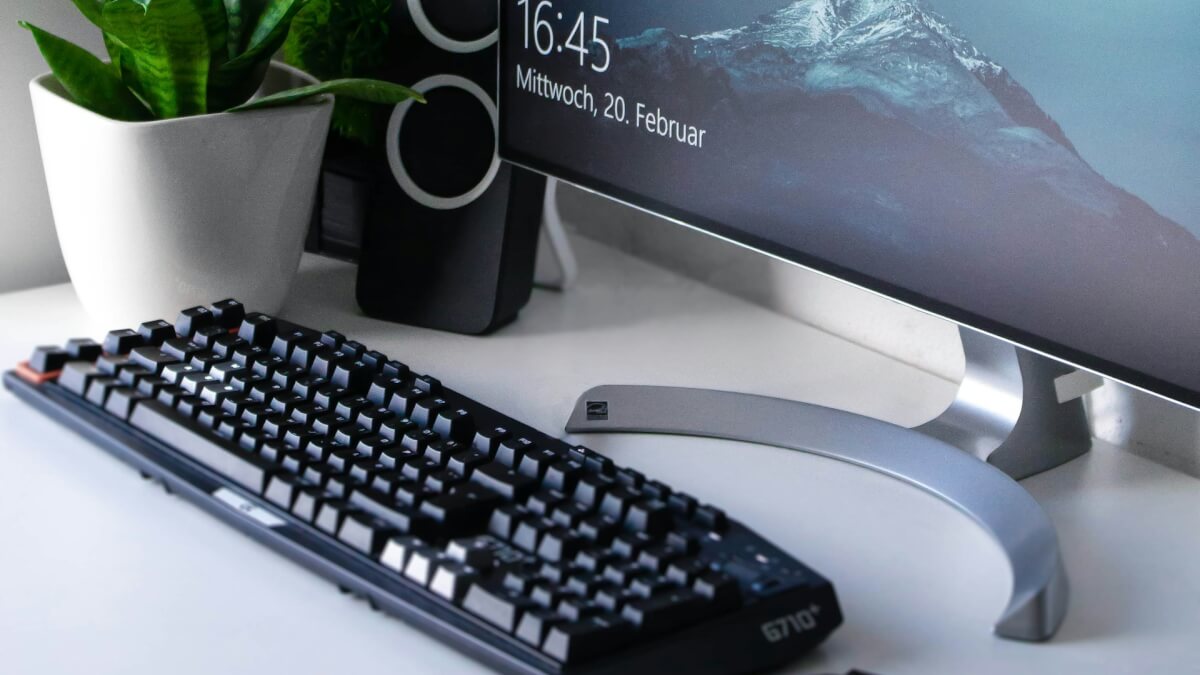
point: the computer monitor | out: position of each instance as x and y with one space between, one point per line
1025 168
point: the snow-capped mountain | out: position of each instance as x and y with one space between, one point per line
899 61
858 30
898 47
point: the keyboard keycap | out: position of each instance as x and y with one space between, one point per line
257 329
192 320
189 438
207 337
506 481
352 375
181 349
287 340
228 314
121 401
452 580
711 517
422 564
456 425
478 552
121 341
352 350
98 389
590 638
666 611
154 333
652 517
84 349
152 358
363 532
397 550
112 364
48 359
719 588
498 605
282 489
463 510
400 518
536 624
428 384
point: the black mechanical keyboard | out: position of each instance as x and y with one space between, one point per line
516 548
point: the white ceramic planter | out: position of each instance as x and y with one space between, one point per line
153 217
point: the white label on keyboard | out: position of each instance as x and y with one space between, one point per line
248 508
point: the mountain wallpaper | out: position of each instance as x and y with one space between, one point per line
872 135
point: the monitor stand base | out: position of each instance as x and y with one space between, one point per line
1015 411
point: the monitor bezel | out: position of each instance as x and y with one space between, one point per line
1137 379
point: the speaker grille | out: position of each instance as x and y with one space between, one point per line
447 144
463 20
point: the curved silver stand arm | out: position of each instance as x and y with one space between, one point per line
984 493
1016 411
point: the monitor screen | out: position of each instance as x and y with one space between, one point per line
1028 168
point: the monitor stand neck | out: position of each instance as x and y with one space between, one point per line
1017 412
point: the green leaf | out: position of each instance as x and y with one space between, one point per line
235 81
236 21
312 43
115 48
216 24
89 81
372 91
166 53
228 86
270 32
334 39
359 121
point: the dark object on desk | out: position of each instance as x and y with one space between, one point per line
526 553
445 233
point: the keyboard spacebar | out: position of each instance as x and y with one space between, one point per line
198 443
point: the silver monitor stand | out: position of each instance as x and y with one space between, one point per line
1016 414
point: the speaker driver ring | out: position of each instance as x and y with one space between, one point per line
443 41
410 187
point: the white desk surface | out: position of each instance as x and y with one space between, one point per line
101 572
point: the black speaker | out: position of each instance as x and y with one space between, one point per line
449 232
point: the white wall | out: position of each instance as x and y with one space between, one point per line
29 253
926 342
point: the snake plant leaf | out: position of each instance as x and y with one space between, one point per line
270 32
236 80
90 82
228 87
236 21
166 54
115 48
372 91
216 25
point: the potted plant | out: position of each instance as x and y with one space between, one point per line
184 169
